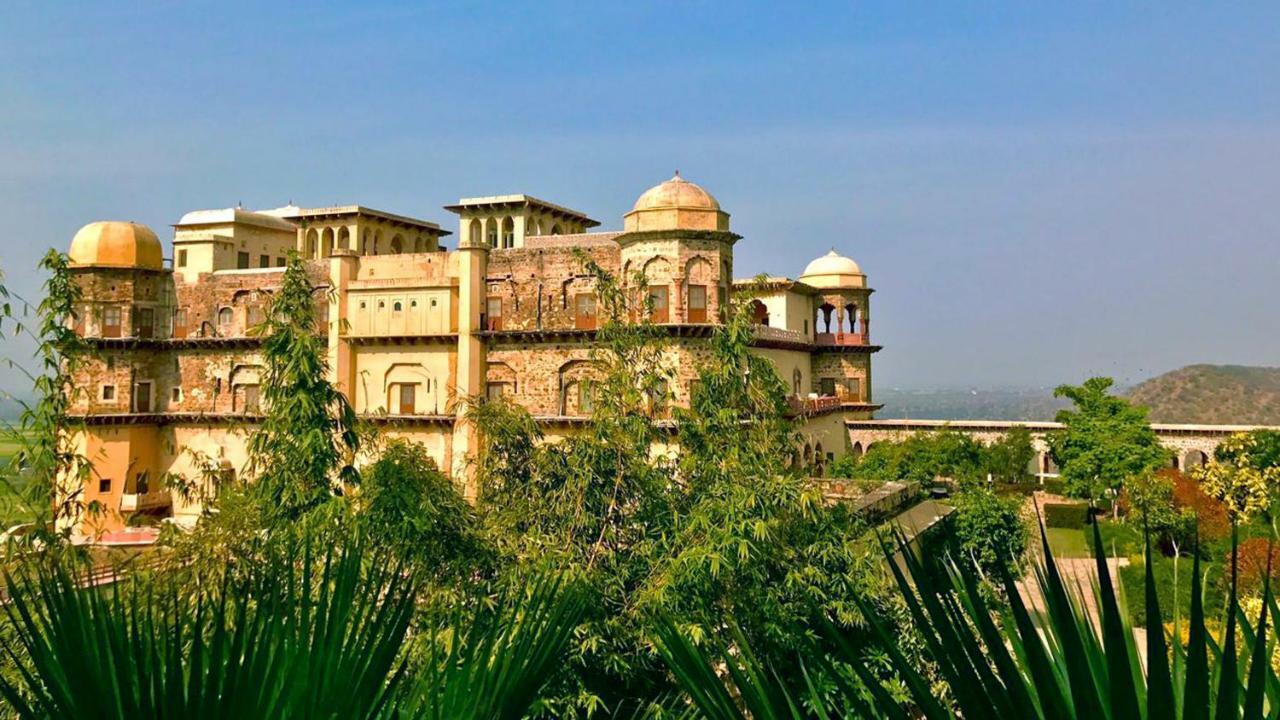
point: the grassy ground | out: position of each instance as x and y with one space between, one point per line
1066 543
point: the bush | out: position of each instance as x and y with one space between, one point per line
1071 516
1133 578
990 528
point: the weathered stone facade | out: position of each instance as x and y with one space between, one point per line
412 328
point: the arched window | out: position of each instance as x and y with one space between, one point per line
397 244
326 243
364 243
822 323
491 232
850 318
508 233
344 239
312 240
555 229
224 317
474 232
397 306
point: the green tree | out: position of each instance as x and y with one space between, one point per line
1104 441
990 529
724 526
408 506
303 451
922 457
52 469
1008 458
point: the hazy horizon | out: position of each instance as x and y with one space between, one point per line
1038 194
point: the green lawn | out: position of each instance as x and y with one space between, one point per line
1067 543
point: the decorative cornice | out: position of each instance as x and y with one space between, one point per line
723 236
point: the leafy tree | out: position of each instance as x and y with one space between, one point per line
990 529
46 434
724 526
1235 478
1008 458
1104 442
407 505
303 451
922 457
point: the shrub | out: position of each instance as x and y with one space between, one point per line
1253 564
1066 515
990 528
1132 577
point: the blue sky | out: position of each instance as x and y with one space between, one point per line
1038 192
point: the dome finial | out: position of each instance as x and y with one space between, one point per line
677 175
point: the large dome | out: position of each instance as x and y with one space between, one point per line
116 244
676 204
833 270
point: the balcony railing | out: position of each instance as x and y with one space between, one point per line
132 502
764 332
841 339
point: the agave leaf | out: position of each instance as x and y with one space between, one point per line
1160 703
1070 627
1123 694
1227 706
1261 660
1195 696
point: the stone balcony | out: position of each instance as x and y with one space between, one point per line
764 332
841 339
133 502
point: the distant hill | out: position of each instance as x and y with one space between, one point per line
1215 394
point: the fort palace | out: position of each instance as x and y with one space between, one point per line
412 327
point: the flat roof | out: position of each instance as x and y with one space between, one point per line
522 200
293 211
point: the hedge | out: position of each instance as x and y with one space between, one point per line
1066 515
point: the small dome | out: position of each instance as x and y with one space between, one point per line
833 270
676 204
116 244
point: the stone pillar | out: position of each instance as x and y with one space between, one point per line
470 374
343 265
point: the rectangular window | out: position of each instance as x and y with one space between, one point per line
179 323
493 314
827 387
111 322
584 311
279 262
182 258
255 315
104 486
408 394
697 309
242 260
108 393
495 390
658 303
264 261
146 323
175 395
855 389
142 397
142 483
251 403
